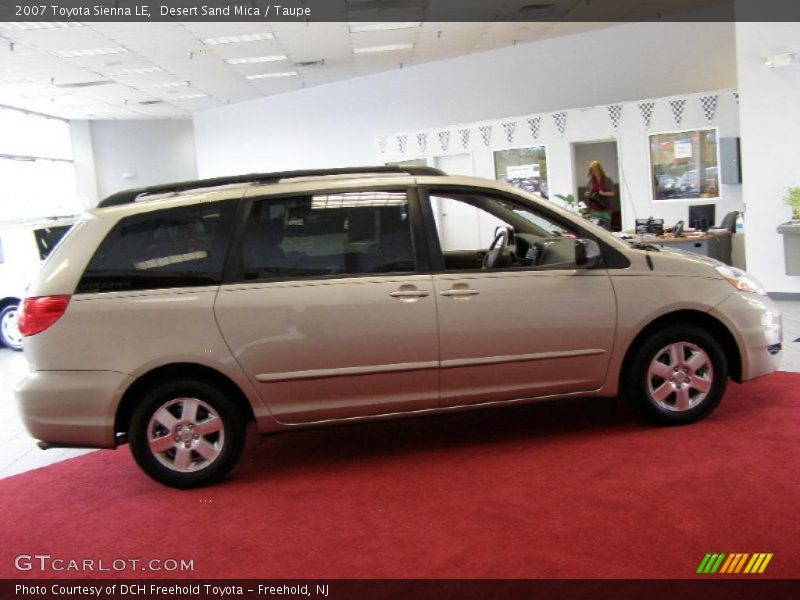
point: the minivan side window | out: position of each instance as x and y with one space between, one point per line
467 226
175 247
348 233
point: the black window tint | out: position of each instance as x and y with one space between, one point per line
330 234
176 247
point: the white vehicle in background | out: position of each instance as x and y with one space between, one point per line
24 245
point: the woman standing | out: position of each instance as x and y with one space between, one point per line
599 192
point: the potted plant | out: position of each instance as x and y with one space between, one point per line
791 232
792 198
569 200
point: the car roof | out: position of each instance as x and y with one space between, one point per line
235 181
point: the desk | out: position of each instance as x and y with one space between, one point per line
714 245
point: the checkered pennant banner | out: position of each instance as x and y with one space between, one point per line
422 142
486 134
677 107
709 104
402 140
615 114
736 97
646 110
464 135
444 140
560 119
382 144
535 123
509 127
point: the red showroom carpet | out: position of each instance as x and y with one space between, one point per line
576 489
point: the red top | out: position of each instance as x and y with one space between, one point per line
598 186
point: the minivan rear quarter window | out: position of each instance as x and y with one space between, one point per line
176 247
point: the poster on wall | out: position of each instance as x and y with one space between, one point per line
684 164
524 168
683 149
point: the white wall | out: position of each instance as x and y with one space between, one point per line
152 151
770 126
592 124
83 155
336 124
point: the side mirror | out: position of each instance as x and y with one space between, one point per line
587 253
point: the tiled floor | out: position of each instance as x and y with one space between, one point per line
19 453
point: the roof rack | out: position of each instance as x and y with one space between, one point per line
128 196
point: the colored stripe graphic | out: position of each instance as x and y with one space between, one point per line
736 562
710 563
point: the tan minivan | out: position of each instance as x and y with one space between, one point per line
170 316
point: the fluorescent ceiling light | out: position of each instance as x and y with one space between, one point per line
39 25
139 71
268 75
169 84
92 52
255 59
784 59
236 39
362 27
386 48
187 97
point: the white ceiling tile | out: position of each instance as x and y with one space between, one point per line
177 49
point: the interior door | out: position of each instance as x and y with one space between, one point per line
328 314
521 330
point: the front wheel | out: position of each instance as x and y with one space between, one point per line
186 434
678 376
9 327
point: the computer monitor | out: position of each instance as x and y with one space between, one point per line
701 216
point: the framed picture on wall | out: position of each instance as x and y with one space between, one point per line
525 168
685 164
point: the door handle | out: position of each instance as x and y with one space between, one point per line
460 292
409 294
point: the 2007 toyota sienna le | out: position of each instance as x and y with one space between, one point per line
170 316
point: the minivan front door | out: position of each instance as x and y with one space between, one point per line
531 326
328 314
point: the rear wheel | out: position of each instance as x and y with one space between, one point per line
678 376
9 327
186 434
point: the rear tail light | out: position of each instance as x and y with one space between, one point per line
40 313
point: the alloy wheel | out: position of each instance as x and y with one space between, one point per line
680 376
186 435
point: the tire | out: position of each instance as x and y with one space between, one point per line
9 331
186 434
678 375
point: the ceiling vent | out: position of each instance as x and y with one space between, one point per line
85 84
310 63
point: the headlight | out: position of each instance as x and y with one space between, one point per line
741 280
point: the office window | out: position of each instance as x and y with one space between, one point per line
328 234
36 168
685 164
525 168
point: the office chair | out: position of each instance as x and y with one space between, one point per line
729 222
